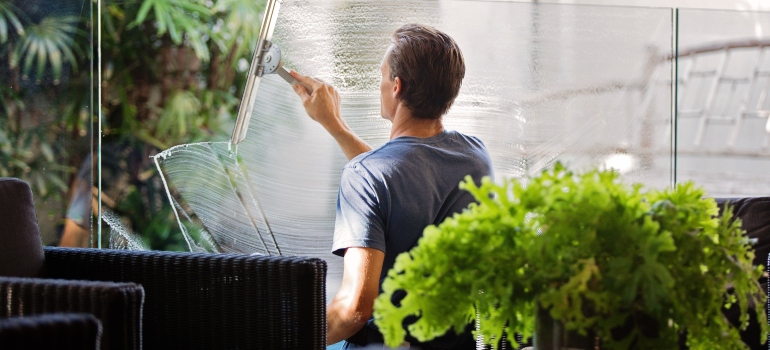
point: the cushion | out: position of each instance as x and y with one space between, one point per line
21 250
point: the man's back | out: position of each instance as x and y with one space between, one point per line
389 195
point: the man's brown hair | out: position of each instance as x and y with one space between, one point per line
430 66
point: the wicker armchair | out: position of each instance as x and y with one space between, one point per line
23 292
67 331
212 301
117 305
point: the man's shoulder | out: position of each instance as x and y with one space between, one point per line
409 149
369 162
472 140
387 151
369 157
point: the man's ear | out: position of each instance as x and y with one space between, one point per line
397 87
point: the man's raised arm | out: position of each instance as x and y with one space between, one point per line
323 106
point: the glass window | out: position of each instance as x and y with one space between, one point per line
46 106
723 130
543 83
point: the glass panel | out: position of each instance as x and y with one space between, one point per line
46 111
543 83
723 134
172 73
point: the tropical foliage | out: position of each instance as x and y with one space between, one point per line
172 72
636 267
34 54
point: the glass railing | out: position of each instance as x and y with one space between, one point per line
119 112
544 83
47 111
585 85
172 73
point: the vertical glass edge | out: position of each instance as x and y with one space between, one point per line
99 116
93 107
675 100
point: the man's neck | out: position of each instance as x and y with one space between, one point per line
404 124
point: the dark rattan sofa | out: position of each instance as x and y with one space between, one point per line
212 301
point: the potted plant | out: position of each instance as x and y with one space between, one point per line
639 269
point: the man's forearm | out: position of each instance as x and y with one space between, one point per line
349 142
341 323
353 305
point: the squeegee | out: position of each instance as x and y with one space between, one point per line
266 60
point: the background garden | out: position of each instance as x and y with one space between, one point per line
171 72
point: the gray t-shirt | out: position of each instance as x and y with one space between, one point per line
389 195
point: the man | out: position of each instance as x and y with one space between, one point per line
387 196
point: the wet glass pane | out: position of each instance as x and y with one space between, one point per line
723 135
586 85
46 111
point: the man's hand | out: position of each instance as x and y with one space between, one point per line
323 106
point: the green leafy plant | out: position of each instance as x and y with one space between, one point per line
597 254
178 18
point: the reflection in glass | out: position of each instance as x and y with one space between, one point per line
723 134
171 72
45 110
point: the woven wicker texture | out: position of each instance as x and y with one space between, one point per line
117 305
213 301
66 331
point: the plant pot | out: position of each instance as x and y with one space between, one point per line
550 334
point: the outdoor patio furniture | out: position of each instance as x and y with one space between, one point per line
65 331
169 300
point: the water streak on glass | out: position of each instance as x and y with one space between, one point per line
120 236
544 83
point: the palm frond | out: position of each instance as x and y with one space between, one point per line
50 42
8 17
180 111
242 23
181 19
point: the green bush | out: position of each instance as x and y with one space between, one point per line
596 253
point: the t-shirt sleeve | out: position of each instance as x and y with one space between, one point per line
359 221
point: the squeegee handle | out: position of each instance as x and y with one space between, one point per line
284 73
